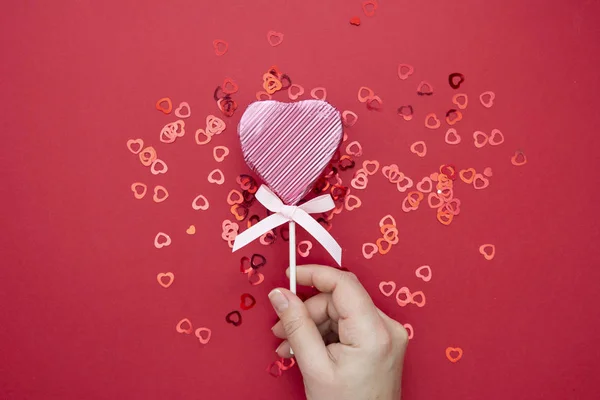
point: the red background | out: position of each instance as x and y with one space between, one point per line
82 315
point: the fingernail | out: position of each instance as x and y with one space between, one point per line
278 300
277 349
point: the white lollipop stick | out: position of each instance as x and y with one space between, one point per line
292 238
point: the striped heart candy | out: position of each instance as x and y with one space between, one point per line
290 144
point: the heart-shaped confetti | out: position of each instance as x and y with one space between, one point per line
387 288
234 318
304 248
220 152
295 91
308 133
488 251
487 99
183 106
405 70
274 38
220 47
203 335
247 301
160 194
414 148
453 354
369 250
135 188
452 137
403 292
518 159
419 273
162 240
184 326
191 230
160 278
135 145
410 330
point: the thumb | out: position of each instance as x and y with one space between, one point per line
301 331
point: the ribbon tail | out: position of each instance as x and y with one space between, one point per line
256 231
320 234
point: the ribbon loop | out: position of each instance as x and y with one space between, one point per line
298 214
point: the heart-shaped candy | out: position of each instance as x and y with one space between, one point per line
289 144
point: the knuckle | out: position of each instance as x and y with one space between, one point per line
292 325
401 333
348 276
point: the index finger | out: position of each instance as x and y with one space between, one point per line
358 314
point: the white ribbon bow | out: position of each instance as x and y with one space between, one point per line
299 214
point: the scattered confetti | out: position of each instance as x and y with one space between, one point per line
479 143
348 122
170 132
234 318
405 70
407 297
518 159
295 91
425 277
162 240
304 248
406 112
355 21
135 145
425 181
453 116
488 251
487 99
454 84
352 202
410 330
216 176
165 105
452 137
160 194
160 278
147 156
496 137
432 121
362 98
203 205
220 149
247 301
369 250
136 192
369 7
274 38
414 148
387 288
203 335
191 230
179 110
461 100
220 47
424 89
453 354
480 181
184 326
158 166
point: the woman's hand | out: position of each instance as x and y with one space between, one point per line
346 347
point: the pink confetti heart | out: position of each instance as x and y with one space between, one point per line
289 144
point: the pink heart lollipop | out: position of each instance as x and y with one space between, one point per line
289 144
